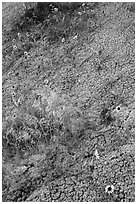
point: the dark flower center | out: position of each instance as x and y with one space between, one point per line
109 188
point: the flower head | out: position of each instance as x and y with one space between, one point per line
56 9
15 47
19 36
26 53
109 189
79 13
63 40
27 34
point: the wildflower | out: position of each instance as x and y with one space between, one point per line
13 94
109 189
15 47
55 9
25 53
118 108
46 81
79 13
27 34
19 36
63 40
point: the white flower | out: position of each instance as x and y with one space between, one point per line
109 189
13 94
63 40
56 9
27 34
15 47
79 13
25 53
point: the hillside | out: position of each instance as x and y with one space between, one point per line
68 105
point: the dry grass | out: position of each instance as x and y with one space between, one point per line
64 77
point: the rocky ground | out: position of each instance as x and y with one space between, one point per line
68 102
